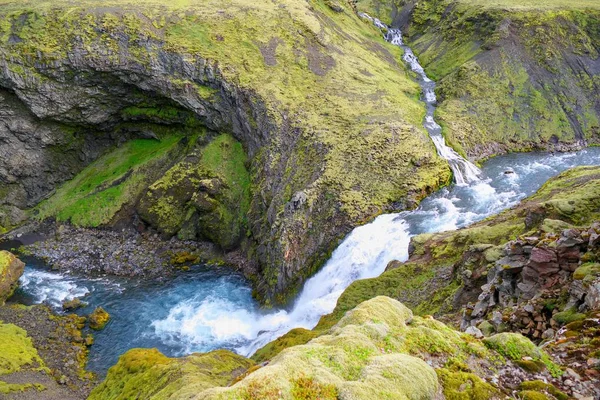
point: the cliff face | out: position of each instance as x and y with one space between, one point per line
329 124
512 75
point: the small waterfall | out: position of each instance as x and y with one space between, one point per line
464 171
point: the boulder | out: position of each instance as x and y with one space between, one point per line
544 261
11 269
592 299
98 319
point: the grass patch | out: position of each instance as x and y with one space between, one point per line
96 194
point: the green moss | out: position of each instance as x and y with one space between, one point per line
458 385
531 395
17 350
97 193
587 270
568 316
98 319
294 337
542 387
515 346
206 195
6 388
149 374
307 388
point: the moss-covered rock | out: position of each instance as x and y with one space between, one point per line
517 347
207 195
98 319
459 385
568 316
590 270
11 269
148 374
542 388
17 350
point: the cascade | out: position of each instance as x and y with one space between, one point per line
464 171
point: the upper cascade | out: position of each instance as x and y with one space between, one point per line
464 171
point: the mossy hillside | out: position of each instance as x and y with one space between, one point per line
206 195
376 351
427 282
510 76
148 374
118 178
384 10
322 104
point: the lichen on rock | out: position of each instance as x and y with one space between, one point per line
98 319
11 269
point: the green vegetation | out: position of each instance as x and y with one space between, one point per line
586 270
534 4
459 385
515 346
96 194
98 319
543 388
17 354
11 269
148 374
207 195
17 350
568 316
507 70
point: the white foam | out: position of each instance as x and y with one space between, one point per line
51 288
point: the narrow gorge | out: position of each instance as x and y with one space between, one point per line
313 199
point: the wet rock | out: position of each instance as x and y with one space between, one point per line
98 319
70 305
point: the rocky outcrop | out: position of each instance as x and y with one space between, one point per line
105 75
11 269
533 276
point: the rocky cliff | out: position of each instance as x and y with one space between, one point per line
322 125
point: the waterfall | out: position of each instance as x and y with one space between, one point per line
464 171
